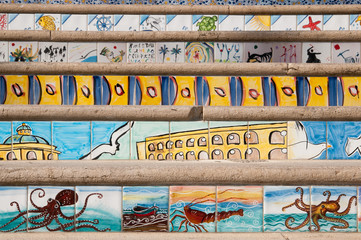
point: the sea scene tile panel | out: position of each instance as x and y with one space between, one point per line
74 22
45 21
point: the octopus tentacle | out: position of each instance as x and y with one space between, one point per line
46 218
17 207
40 226
339 197
338 220
96 221
14 228
328 193
288 206
304 209
315 227
93 227
347 210
292 219
37 217
86 203
12 220
40 195
66 217
299 189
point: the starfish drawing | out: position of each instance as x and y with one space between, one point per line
312 25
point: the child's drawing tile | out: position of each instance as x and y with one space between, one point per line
204 22
3 21
199 52
231 23
336 22
344 140
6 139
228 52
145 209
14 205
82 52
355 22
45 21
189 205
98 209
53 52
126 22
257 22
21 21
4 52
286 208
112 52
309 22
258 52
333 209
71 139
239 209
316 52
100 22
74 22
23 52
141 52
170 52
152 22
287 52
150 140
55 200
307 140
32 141
345 52
179 22
283 22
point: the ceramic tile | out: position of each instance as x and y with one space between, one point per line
345 52
141 52
239 209
82 52
343 138
98 209
283 22
115 90
179 22
48 90
286 208
285 89
189 206
150 140
231 23
47 21
71 139
349 95
257 22
358 209
336 22
205 22
74 22
183 90
3 21
333 209
258 52
126 22
100 22
307 140
5 139
147 90
4 51
309 22
317 52
317 91
53 52
80 90
23 52
253 93
16 89
21 21
145 209
199 52
170 52
286 52
112 52
152 22
59 201
219 91
355 22
228 52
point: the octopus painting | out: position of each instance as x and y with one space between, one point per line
318 212
52 212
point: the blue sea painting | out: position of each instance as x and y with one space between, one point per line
5 134
316 134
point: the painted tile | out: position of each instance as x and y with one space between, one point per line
82 52
71 139
190 206
359 209
56 205
152 22
343 138
219 91
283 22
231 23
355 22
21 21
349 94
309 22
3 21
150 140
286 208
333 209
147 90
17 89
239 209
141 52
112 52
74 22
228 52
336 22
285 90
115 90
47 21
258 52
53 52
145 209
4 51
317 91
23 52
126 22
287 52
178 22
48 90
254 93
205 22
189 141
182 90
257 22
5 140
345 52
170 52
100 22
306 140
14 205
317 52
98 209
199 52
81 90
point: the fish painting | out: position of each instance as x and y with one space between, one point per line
47 23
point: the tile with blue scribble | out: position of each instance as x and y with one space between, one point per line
74 22
126 22
178 22
283 22
4 51
82 52
336 22
231 23
21 21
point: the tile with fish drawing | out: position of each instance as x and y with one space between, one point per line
82 52
345 52
228 52
141 52
126 22
152 22
309 22
5 134
21 21
74 22
199 52
204 22
112 52
53 52
3 21
46 21
257 22
336 22
170 52
100 22
178 22
283 22
316 52
4 51
258 52
23 52
231 23
287 52
355 22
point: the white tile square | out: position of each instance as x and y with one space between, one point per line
336 22
126 22
283 22
179 22
74 22
231 23
21 21
152 22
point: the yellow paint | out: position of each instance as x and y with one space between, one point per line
119 92
318 92
219 91
261 22
249 84
151 90
84 90
349 85
185 83
17 89
50 90
282 84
